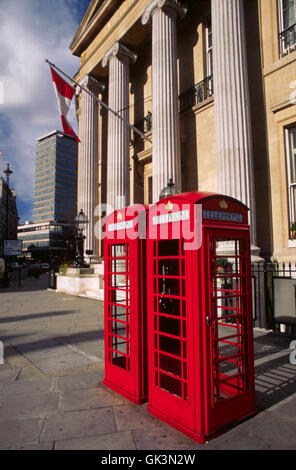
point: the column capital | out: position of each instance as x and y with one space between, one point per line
92 84
120 51
172 5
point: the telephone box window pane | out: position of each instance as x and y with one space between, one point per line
169 286
170 384
120 361
168 267
118 312
169 305
119 251
170 326
168 248
170 345
171 365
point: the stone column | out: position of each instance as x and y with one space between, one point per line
166 159
232 106
118 58
88 160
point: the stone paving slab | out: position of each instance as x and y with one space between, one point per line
22 405
19 431
28 387
61 363
113 441
130 417
78 424
9 374
79 382
89 398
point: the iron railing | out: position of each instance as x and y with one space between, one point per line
265 292
199 93
144 125
287 40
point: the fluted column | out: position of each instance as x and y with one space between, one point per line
166 159
118 188
88 159
232 106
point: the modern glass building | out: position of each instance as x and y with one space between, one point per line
56 178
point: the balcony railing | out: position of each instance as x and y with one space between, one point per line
287 40
199 93
144 125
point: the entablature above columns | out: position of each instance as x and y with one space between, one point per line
124 26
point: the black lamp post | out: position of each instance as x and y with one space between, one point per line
7 172
80 222
169 190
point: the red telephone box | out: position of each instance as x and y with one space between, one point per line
200 340
125 303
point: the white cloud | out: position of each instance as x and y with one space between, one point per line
32 30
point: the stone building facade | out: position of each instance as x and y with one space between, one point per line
212 85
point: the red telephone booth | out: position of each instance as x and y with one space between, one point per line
200 341
125 303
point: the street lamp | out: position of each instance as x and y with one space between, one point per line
80 222
7 172
169 190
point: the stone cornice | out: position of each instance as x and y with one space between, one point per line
120 51
169 4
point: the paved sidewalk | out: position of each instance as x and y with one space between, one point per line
52 397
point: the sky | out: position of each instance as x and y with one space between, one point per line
30 31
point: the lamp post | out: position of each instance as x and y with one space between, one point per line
80 222
169 190
7 172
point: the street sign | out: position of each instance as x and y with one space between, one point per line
12 247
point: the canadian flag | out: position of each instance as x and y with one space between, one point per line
65 93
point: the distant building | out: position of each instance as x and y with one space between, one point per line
45 240
9 232
56 178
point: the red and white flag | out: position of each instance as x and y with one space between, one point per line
64 93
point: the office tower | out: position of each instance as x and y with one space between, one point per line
56 178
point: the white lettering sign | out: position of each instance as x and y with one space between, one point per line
171 217
120 226
12 247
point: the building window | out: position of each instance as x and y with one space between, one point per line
291 166
287 26
209 59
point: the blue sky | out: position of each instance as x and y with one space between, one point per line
32 30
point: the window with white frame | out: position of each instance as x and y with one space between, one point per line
287 26
209 58
291 167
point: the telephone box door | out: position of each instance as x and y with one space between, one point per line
170 355
228 320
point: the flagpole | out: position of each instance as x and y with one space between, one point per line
104 105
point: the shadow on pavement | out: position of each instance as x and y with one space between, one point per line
34 316
275 380
29 284
51 342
